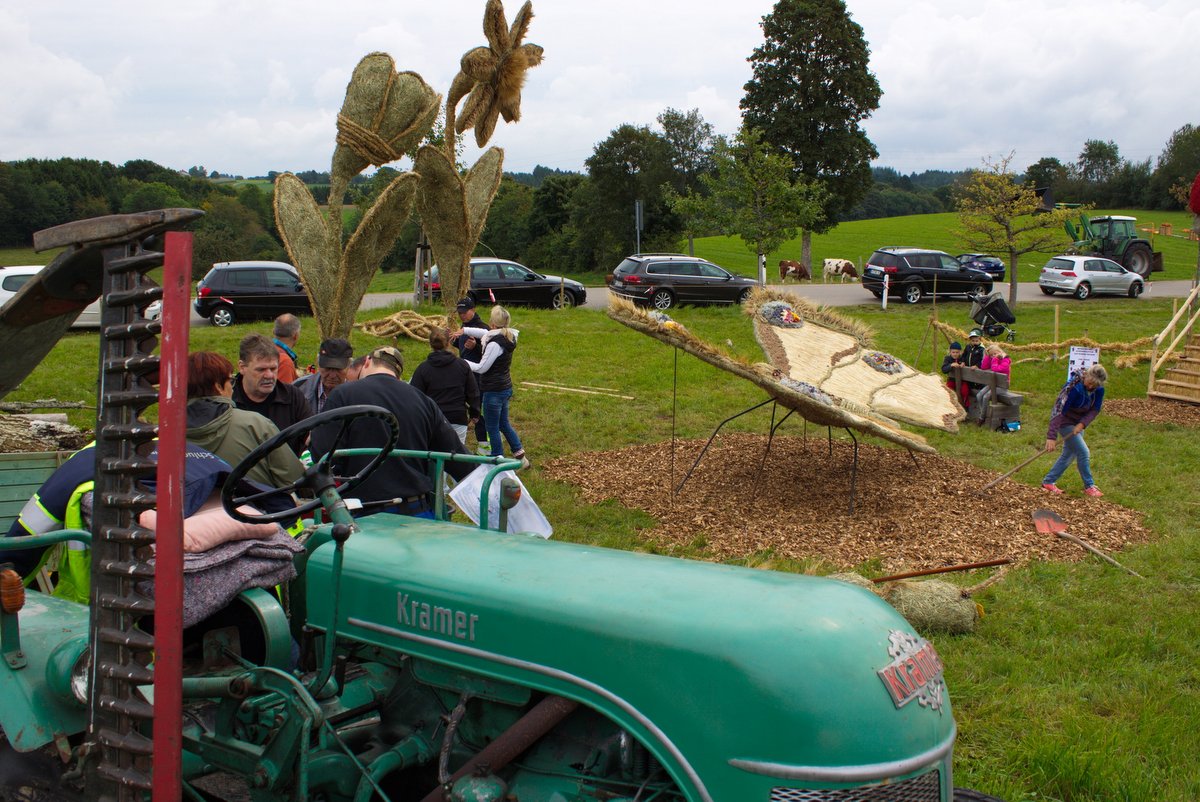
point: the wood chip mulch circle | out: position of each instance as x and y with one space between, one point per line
1154 410
909 516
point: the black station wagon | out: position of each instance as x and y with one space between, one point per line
663 280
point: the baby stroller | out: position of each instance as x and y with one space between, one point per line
993 315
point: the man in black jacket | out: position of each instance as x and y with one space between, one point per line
398 485
257 388
471 349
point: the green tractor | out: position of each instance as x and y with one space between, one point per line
1115 237
413 659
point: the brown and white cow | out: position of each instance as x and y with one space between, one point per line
796 270
839 267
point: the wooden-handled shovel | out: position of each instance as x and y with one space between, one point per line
1000 479
1049 522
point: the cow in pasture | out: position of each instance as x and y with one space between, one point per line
839 267
796 270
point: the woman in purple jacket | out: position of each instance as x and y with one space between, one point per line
1077 405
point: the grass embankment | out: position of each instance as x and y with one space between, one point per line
1081 683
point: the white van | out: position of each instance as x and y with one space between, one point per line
14 278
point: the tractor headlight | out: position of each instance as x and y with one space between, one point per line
67 670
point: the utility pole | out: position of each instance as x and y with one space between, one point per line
637 224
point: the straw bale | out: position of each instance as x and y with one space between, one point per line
851 578
933 606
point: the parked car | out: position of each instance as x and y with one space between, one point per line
663 280
15 277
1084 276
914 273
506 282
234 291
992 265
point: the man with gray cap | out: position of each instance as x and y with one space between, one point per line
471 349
401 486
333 364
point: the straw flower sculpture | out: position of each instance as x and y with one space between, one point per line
454 210
493 75
385 116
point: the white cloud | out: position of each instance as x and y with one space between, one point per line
247 86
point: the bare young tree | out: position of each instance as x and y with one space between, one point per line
1000 215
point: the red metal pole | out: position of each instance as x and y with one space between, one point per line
167 780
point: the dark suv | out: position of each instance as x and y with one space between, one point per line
235 291
913 273
666 279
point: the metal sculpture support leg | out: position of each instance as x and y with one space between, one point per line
853 470
713 437
829 433
771 435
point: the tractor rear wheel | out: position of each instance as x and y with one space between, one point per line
1138 259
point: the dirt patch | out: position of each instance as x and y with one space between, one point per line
909 514
1154 410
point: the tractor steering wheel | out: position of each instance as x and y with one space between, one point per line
316 477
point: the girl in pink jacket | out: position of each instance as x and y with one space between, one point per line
995 359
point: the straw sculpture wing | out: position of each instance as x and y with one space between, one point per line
809 400
818 346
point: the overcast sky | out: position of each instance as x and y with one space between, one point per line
247 86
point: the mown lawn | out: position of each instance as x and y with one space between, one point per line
1081 682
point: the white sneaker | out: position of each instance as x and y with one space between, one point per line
484 450
524 463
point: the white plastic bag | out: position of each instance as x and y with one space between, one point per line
526 517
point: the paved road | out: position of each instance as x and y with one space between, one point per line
833 294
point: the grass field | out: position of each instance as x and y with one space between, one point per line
1081 683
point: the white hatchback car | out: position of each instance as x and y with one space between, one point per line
14 278
1084 276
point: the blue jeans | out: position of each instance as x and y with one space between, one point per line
1073 448
495 415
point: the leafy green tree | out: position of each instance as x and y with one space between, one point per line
632 164
506 232
1177 167
551 231
1000 215
551 209
809 92
1098 161
230 232
1046 172
751 194
146 197
691 142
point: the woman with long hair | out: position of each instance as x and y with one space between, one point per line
495 381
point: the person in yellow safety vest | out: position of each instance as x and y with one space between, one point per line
60 504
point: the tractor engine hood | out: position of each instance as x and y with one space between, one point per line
719 670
